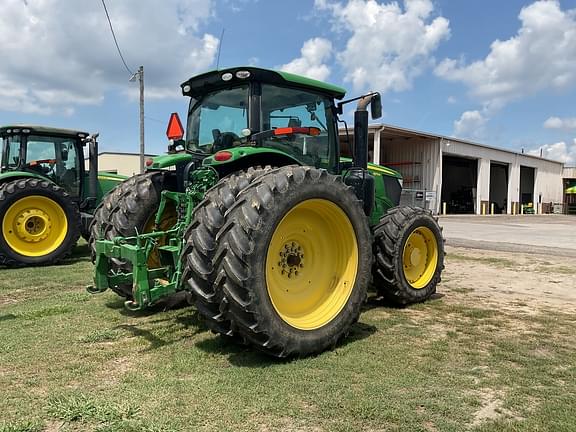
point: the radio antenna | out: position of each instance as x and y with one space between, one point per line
220 48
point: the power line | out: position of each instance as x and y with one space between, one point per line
154 119
115 41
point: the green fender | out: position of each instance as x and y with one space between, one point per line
236 153
15 175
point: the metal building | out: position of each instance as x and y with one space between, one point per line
451 175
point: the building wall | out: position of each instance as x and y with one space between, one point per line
127 164
418 160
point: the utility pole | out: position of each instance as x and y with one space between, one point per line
142 148
140 74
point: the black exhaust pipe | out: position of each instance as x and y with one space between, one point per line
361 127
360 156
93 159
358 176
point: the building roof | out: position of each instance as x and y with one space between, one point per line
400 131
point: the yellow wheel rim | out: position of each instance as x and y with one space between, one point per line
311 264
420 257
169 218
34 226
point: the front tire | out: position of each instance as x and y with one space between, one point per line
297 263
409 255
39 223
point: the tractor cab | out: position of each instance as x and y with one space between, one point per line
53 154
245 110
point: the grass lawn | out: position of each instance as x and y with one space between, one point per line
71 361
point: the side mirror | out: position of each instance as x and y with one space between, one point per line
376 106
64 152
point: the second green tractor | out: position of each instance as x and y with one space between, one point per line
257 213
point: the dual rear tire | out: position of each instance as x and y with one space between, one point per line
282 259
287 265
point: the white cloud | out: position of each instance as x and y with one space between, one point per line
311 63
560 123
541 56
60 54
389 46
471 125
560 151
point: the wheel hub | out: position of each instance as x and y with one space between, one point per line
420 257
291 260
415 257
33 225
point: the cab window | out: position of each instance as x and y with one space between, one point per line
12 156
285 107
216 121
56 158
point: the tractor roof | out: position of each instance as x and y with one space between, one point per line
224 78
44 130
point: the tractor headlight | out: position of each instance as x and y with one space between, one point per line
243 74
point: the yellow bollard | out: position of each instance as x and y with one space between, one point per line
444 208
492 209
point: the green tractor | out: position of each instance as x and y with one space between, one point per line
256 213
47 198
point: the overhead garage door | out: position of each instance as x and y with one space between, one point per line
498 187
459 182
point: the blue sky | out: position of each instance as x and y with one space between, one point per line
498 72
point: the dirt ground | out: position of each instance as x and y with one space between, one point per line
509 280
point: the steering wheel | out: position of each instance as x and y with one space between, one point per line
37 164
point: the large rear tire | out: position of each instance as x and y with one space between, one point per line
297 261
129 209
409 255
39 223
200 252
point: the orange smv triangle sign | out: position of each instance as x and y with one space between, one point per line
175 131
